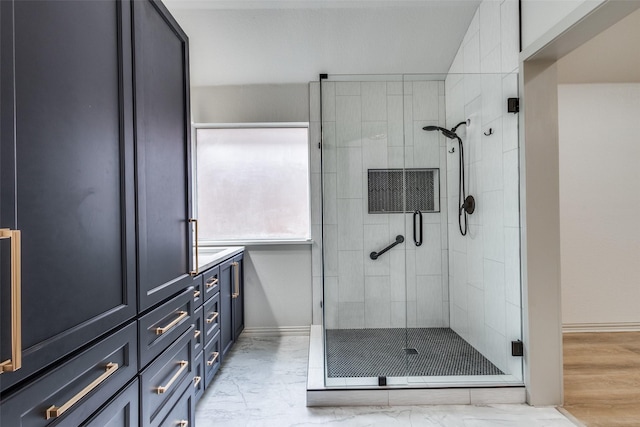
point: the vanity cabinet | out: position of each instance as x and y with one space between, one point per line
223 315
231 302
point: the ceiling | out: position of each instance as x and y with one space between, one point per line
291 41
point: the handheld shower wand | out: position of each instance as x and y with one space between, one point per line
466 204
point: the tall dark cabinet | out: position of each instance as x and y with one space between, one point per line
163 144
67 172
97 302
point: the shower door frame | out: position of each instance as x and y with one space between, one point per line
405 380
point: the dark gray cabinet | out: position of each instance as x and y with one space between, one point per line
237 297
66 173
95 175
121 411
163 142
231 302
71 392
223 315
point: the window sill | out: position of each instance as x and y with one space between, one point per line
211 243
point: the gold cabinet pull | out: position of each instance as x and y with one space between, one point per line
196 334
194 272
183 423
196 294
196 381
213 317
55 411
183 365
15 362
236 275
211 282
181 315
215 355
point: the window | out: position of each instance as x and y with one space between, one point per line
252 183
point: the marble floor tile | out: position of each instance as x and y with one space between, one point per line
262 382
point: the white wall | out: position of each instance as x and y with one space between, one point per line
250 103
277 287
599 204
604 58
278 277
484 265
540 16
293 44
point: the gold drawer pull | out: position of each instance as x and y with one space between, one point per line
213 317
196 381
183 365
54 411
196 294
181 315
15 362
183 423
215 355
212 282
194 272
197 333
236 285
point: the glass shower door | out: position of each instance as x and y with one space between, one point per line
365 234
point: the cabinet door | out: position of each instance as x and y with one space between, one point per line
162 153
226 306
121 411
66 175
238 296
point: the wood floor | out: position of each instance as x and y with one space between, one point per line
602 378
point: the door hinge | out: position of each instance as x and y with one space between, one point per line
517 348
513 105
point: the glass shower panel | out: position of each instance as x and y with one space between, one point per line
421 279
364 228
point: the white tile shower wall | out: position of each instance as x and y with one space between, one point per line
485 265
376 125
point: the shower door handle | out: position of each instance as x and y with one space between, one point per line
417 214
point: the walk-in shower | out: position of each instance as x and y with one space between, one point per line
413 296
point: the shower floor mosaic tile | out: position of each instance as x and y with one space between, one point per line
398 352
262 383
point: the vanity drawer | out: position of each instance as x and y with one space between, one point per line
159 328
183 412
211 284
198 290
122 411
198 333
212 359
163 381
70 393
211 316
198 377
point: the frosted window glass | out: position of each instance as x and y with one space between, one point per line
253 184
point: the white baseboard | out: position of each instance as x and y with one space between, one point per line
601 327
276 331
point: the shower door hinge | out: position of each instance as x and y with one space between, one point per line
513 105
517 349
319 145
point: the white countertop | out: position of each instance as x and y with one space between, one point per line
210 256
